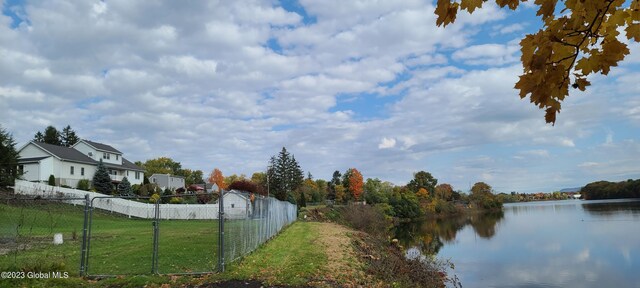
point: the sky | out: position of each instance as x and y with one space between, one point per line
372 85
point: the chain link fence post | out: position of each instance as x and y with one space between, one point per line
221 231
83 254
156 232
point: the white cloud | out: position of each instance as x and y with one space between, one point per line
387 143
487 54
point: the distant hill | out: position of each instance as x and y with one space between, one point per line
577 189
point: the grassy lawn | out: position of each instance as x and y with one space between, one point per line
302 254
293 258
119 245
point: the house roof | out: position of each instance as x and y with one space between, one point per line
64 153
169 175
125 164
102 147
31 160
73 155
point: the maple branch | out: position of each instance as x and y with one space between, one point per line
588 33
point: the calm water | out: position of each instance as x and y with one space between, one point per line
571 243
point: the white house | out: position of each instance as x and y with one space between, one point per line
71 164
165 181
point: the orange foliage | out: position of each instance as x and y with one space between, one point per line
355 184
216 178
422 193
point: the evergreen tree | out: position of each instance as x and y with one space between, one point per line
52 180
284 175
124 188
39 137
52 136
303 200
69 137
102 180
8 159
335 180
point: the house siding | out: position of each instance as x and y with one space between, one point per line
97 154
31 151
31 171
72 180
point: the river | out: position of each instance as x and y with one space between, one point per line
570 243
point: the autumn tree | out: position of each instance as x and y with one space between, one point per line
244 185
482 196
216 178
233 178
444 191
424 180
422 193
579 40
355 184
480 188
340 194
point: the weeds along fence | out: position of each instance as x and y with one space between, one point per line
46 228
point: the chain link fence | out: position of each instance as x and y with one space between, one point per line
46 228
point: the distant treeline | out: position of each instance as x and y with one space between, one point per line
611 190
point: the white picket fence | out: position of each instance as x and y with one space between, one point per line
129 207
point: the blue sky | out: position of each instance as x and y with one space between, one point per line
373 85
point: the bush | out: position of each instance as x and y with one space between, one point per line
203 198
176 200
84 185
52 180
365 218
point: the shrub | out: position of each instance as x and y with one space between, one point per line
84 185
203 198
154 198
365 218
175 200
52 180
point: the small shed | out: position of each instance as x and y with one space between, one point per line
237 205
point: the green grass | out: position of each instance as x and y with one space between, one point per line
119 245
292 258
123 246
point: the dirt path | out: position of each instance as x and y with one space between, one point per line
343 266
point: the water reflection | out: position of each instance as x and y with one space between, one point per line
570 243
430 235
613 208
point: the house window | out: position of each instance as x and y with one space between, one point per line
71 170
108 156
104 155
116 157
127 173
233 205
137 175
82 171
21 169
